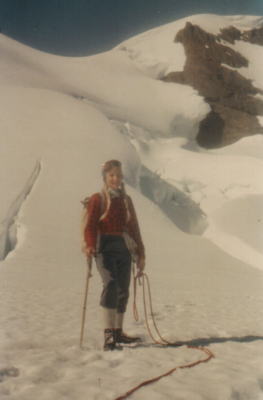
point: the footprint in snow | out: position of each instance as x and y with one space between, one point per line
9 372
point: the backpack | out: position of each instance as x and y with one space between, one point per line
85 213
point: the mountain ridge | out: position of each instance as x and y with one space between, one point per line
234 110
219 57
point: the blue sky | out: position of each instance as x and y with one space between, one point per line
83 27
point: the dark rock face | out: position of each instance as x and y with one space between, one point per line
230 34
254 36
209 69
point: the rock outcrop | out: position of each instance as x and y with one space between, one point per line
212 69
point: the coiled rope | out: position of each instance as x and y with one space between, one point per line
145 283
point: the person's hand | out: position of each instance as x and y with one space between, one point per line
88 251
140 266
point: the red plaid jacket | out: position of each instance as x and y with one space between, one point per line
114 223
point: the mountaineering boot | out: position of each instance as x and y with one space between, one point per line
109 315
121 337
109 339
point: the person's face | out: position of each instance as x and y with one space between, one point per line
113 178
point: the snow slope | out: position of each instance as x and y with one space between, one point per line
115 92
61 118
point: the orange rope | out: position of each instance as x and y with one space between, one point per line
161 341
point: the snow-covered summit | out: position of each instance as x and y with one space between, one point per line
156 48
218 56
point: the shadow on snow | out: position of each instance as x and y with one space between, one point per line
201 342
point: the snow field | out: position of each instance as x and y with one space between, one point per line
194 301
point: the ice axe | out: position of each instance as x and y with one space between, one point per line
89 275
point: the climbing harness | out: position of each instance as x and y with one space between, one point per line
145 283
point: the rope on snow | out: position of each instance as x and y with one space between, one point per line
161 340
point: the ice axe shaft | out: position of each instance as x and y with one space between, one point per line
89 275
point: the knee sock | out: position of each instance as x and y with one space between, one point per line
119 320
109 317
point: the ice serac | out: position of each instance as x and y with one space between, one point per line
180 208
184 212
9 226
212 68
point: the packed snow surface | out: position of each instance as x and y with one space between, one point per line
61 118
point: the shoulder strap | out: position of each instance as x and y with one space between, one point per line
105 204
